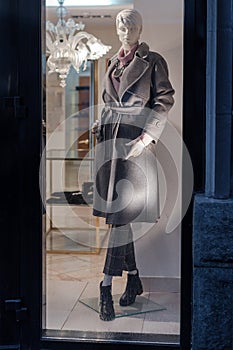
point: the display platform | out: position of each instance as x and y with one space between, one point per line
141 305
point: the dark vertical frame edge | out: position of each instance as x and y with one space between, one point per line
194 97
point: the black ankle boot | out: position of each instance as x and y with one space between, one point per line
133 288
107 312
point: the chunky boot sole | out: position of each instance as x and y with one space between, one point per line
133 289
129 301
107 312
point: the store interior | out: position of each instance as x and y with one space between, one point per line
74 240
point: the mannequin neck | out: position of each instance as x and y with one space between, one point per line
127 48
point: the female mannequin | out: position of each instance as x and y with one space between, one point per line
137 95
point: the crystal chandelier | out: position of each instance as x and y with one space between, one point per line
68 45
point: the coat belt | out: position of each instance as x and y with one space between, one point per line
124 110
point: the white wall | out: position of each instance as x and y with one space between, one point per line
158 253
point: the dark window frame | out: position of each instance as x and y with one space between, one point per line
29 207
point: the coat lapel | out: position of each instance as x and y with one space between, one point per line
109 88
132 74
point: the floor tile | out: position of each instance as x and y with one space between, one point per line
172 303
62 295
55 319
161 327
165 321
74 276
85 319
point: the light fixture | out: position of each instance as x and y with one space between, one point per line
68 45
86 3
81 2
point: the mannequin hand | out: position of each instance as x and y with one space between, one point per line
138 145
136 149
95 127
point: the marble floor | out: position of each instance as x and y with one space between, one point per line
70 277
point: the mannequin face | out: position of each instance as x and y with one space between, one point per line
128 34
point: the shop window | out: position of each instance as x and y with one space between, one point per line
75 241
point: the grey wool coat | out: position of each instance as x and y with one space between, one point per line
127 190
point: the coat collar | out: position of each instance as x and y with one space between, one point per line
134 72
142 50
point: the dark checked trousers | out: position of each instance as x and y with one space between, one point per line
120 252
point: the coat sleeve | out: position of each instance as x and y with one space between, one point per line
161 99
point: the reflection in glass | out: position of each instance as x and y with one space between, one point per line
68 47
74 240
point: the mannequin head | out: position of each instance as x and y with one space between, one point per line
129 27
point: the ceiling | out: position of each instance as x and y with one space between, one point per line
100 14
162 20
88 2
155 11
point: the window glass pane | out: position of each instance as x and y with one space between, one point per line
76 242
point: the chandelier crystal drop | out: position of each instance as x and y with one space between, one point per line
67 44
